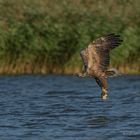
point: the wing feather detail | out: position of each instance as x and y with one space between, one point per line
103 47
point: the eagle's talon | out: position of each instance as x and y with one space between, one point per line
82 74
104 94
104 97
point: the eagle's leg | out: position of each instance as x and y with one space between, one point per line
102 82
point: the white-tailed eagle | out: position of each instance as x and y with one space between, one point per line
96 59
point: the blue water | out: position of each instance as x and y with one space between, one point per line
41 107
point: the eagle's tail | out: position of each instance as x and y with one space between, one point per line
112 72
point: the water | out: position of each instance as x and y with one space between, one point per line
38 107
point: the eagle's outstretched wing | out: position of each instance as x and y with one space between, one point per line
96 56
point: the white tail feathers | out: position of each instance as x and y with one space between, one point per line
112 72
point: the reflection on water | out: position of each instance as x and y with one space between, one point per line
68 108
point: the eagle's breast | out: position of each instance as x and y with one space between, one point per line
93 60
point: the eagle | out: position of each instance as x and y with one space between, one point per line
96 58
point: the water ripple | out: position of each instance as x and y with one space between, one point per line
68 108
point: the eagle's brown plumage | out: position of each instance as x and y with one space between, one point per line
96 58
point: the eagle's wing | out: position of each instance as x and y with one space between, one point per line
84 56
96 55
103 46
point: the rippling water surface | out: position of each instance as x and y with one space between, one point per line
38 107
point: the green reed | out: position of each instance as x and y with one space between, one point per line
42 36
